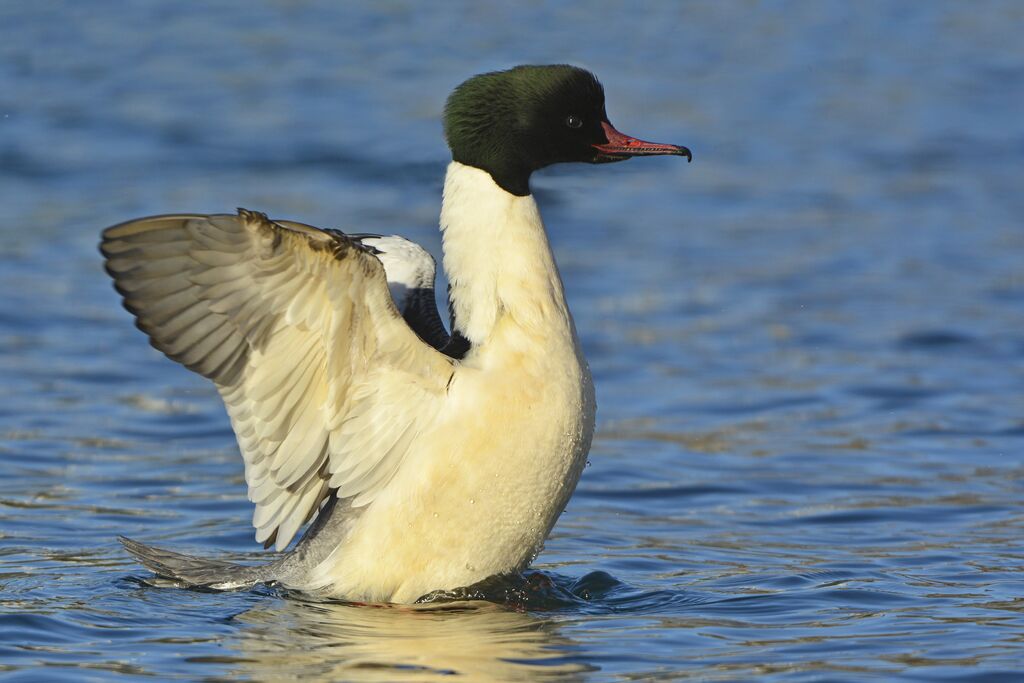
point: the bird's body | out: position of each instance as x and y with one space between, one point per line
490 476
428 462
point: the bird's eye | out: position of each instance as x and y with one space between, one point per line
573 121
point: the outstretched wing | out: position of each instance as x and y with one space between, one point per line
325 384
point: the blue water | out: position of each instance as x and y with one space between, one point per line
808 344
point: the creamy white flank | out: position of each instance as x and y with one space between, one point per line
481 488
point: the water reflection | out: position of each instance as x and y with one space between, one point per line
338 641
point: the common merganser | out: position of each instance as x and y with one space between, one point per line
425 461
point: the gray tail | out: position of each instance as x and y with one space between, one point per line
196 571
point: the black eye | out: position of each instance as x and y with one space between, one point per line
573 121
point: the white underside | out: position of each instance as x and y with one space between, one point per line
482 486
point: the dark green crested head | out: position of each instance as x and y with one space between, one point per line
511 123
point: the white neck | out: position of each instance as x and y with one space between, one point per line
498 259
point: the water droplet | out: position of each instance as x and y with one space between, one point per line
435 514
472 501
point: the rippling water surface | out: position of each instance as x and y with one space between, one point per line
808 344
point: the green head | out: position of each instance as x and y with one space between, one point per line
511 123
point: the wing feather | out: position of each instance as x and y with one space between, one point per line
325 385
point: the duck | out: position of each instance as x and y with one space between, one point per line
416 459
